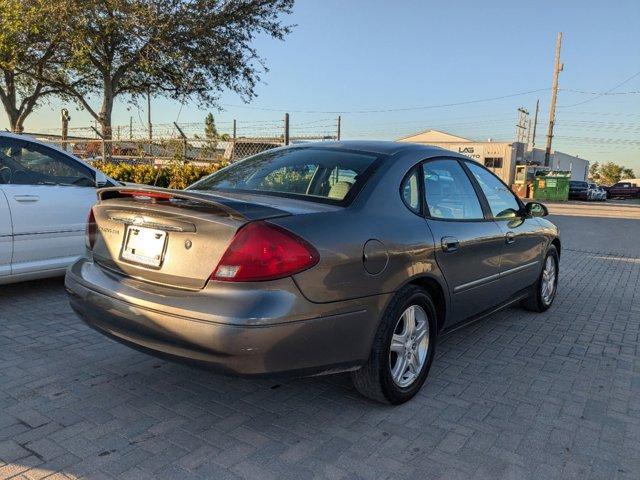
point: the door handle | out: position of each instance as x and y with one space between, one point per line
26 198
510 238
449 244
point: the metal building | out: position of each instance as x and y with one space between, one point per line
501 157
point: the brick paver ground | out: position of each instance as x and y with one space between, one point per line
518 395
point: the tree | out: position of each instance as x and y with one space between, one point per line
181 49
30 36
210 130
593 172
610 173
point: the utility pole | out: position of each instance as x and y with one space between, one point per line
557 68
65 117
286 129
521 127
130 127
339 128
535 125
234 128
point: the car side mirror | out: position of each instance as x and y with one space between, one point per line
101 179
536 209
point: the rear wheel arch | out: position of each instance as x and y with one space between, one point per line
376 379
437 294
536 301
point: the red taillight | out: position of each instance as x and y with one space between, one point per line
147 194
262 251
91 231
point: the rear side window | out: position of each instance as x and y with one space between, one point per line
410 190
449 192
316 174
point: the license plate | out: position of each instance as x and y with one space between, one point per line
144 245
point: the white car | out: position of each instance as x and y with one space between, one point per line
45 197
596 193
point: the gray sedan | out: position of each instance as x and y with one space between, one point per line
315 259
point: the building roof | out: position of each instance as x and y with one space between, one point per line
431 135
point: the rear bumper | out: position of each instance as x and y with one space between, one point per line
304 338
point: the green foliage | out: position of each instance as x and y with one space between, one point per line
30 37
180 49
609 173
210 130
211 135
177 174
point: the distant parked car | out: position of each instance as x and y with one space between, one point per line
596 193
45 194
578 190
624 190
314 259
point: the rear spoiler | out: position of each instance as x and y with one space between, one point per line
157 194
233 208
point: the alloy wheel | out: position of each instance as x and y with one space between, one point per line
548 284
409 346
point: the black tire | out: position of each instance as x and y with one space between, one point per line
374 379
535 302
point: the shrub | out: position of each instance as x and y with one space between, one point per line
176 175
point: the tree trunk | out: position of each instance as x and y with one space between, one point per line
105 121
9 97
9 100
15 122
105 127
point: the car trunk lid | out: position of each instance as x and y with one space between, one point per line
169 237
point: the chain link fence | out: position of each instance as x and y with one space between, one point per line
161 151
188 142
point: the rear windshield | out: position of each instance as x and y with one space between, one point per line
317 174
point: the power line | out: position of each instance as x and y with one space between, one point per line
387 110
603 93
635 92
609 114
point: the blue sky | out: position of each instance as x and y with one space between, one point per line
356 55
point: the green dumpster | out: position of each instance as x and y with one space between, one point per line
552 186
